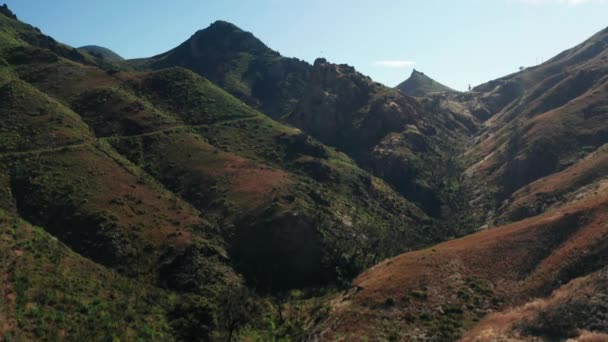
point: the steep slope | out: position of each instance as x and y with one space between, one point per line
408 143
577 311
419 84
173 183
543 120
540 162
240 63
51 293
102 53
149 117
399 139
440 292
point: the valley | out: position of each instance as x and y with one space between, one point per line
221 191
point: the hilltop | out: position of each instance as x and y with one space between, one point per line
240 63
419 84
101 53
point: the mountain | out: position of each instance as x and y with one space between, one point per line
419 84
539 278
155 199
101 53
544 119
407 142
370 118
163 182
240 63
538 171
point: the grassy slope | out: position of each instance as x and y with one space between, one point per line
444 290
575 310
102 53
240 63
544 154
50 292
544 119
410 144
207 183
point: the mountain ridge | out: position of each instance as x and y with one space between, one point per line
173 208
419 84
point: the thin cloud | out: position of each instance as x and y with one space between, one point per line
395 64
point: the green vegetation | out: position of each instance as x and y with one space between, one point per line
101 53
240 63
171 184
420 84
52 293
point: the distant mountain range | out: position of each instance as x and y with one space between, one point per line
221 191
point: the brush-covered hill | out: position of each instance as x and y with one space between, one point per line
407 142
171 185
539 176
419 84
101 53
544 119
241 64
540 278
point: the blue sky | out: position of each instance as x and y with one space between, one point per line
457 42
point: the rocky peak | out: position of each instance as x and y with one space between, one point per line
419 84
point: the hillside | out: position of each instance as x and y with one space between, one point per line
388 134
220 192
546 119
419 84
407 142
101 53
174 185
241 64
443 291
536 271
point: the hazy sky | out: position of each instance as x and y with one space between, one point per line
457 42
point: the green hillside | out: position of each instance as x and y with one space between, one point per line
419 84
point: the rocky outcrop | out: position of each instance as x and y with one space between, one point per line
241 64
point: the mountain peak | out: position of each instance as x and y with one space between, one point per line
101 52
223 25
7 12
419 84
227 37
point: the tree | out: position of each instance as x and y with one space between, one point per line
237 307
